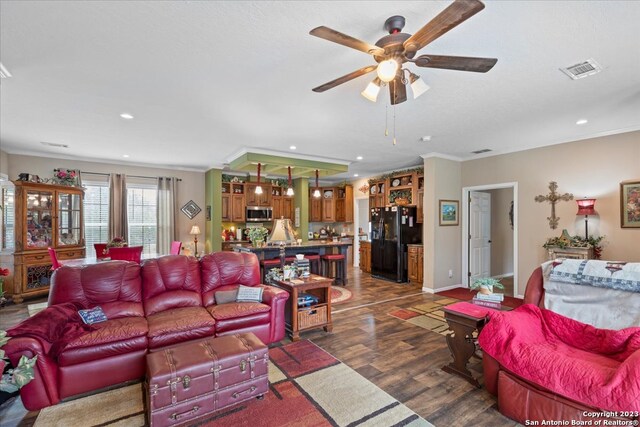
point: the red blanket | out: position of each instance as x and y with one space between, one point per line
599 367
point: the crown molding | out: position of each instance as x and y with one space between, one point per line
442 156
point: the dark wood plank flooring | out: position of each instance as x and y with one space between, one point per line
402 359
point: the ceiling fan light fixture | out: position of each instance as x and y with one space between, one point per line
418 86
372 90
387 70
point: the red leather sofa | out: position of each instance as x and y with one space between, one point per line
165 301
524 401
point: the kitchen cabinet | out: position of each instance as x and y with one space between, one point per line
237 208
415 256
46 216
233 202
328 205
288 207
344 204
226 207
365 256
253 199
315 207
282 204
420 200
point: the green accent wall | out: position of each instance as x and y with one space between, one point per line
301 200
213 198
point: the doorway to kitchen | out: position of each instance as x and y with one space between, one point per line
490 234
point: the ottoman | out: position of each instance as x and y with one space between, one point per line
193 380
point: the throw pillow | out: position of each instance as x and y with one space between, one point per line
249 294
224 297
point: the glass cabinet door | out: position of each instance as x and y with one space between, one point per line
39 219
69 230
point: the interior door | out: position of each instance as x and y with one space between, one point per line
479 235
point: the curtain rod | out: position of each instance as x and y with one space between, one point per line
131 176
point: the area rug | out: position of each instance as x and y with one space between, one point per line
465 294
340 295
428 315
308 387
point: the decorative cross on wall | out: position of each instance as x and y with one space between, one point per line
552 198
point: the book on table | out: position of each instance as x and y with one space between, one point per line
486 303
490 297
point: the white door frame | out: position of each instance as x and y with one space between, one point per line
356 225
464 217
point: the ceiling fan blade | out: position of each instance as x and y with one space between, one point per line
460 63
458 12
397 91
345 40
345 78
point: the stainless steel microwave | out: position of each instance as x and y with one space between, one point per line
259 214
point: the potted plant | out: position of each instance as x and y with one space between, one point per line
14 378
257 235
486 285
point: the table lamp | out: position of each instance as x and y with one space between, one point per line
586 207
282 234
195 230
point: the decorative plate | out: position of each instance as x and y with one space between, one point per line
395 182
374 189
328 194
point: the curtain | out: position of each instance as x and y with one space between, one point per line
118 225
166 205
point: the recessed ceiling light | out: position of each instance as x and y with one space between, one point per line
582 122
356 175
426 138
126 116
292 147
359 158
125 156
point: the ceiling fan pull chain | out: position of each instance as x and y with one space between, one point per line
386 120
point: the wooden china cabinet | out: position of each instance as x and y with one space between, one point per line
46 216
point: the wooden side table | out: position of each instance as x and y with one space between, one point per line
464 319
318 315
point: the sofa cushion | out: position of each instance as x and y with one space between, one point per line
111 338
170 281
239 315
221 269
179 325
115 286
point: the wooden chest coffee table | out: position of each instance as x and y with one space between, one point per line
317 315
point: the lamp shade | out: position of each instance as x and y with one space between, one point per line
418 86
586 206
195 230
282 232
372 90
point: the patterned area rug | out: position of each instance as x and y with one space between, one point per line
308 387
339 295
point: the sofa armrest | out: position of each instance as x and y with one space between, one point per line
276 298
42 391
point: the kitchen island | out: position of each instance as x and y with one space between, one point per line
318 247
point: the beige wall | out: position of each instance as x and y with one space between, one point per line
501 232
593 167
442 244
4 163
190 188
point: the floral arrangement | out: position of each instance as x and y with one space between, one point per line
3 273
576 242
65 176
400 194
18 377
117 242
257 234
487 283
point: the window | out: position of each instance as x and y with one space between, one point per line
96 215
8 217
142 217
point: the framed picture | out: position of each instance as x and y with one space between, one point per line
630 204
449 211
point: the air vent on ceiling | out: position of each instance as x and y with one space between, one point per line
484 150
53 144
4 73
583 69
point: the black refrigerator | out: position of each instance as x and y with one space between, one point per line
392 228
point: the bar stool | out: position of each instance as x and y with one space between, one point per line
337 260
268 264
314 262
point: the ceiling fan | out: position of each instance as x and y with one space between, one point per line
393 50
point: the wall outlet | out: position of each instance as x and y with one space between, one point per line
450 274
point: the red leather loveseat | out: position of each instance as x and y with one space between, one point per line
527 402
165 301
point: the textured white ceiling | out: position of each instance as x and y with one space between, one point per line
206 79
